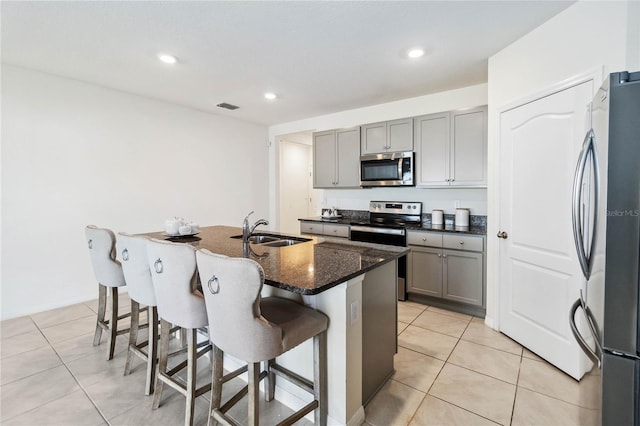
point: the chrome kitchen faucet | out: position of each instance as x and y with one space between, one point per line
248 230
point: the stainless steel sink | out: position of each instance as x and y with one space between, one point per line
282 243
273 240
259 239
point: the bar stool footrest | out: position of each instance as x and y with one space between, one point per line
183 364
290 375
240 394
299 414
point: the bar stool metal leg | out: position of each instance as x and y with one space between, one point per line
135 348
192 369
270 386
133 335
254 393
152 350
217 360
320 378
113 322
102 309
162 362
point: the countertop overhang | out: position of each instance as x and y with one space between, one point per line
306 268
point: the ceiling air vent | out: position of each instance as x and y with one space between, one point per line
227 106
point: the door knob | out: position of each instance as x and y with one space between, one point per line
502 234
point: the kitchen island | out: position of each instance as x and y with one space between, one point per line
341 278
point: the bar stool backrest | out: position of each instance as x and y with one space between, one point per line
135 266
231 288
173 269
102 249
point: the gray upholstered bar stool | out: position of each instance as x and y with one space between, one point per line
254 330
173 271
108 272
135 266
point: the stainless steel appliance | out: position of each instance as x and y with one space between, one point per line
387 169
387 225
606 218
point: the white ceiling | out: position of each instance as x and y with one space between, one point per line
319 57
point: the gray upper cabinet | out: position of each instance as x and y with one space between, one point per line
387 136
451 148
336 158
469 147
324 159
374 138
432 140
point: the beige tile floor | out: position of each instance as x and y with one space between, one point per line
51 374
450 370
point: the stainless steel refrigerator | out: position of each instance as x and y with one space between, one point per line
606 219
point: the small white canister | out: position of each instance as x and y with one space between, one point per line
437 217
462 217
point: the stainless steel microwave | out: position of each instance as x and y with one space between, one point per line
387 169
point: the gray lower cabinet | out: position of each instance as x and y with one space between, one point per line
462 276
328 229
445 272
425 265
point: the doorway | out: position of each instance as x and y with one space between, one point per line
297 197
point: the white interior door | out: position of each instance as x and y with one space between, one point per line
295 196
539 273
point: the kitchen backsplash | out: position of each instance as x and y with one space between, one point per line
449 219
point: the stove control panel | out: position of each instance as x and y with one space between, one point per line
396 207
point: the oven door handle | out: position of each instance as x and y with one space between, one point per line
374 230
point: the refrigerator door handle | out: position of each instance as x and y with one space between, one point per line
596 355
588 152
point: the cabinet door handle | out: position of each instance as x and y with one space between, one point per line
461 243
502 234
439 255
444 255
424 239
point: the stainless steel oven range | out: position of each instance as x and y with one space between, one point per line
387 225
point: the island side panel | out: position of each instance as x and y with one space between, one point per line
379 328
344 357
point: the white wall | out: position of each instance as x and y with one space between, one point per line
586 36
75 154
358 199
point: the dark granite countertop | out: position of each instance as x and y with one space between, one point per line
474 230
341 220
424 226
306 268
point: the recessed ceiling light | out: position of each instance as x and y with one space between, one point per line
271 96
416 52
167 59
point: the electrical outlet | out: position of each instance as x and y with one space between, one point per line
355 312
